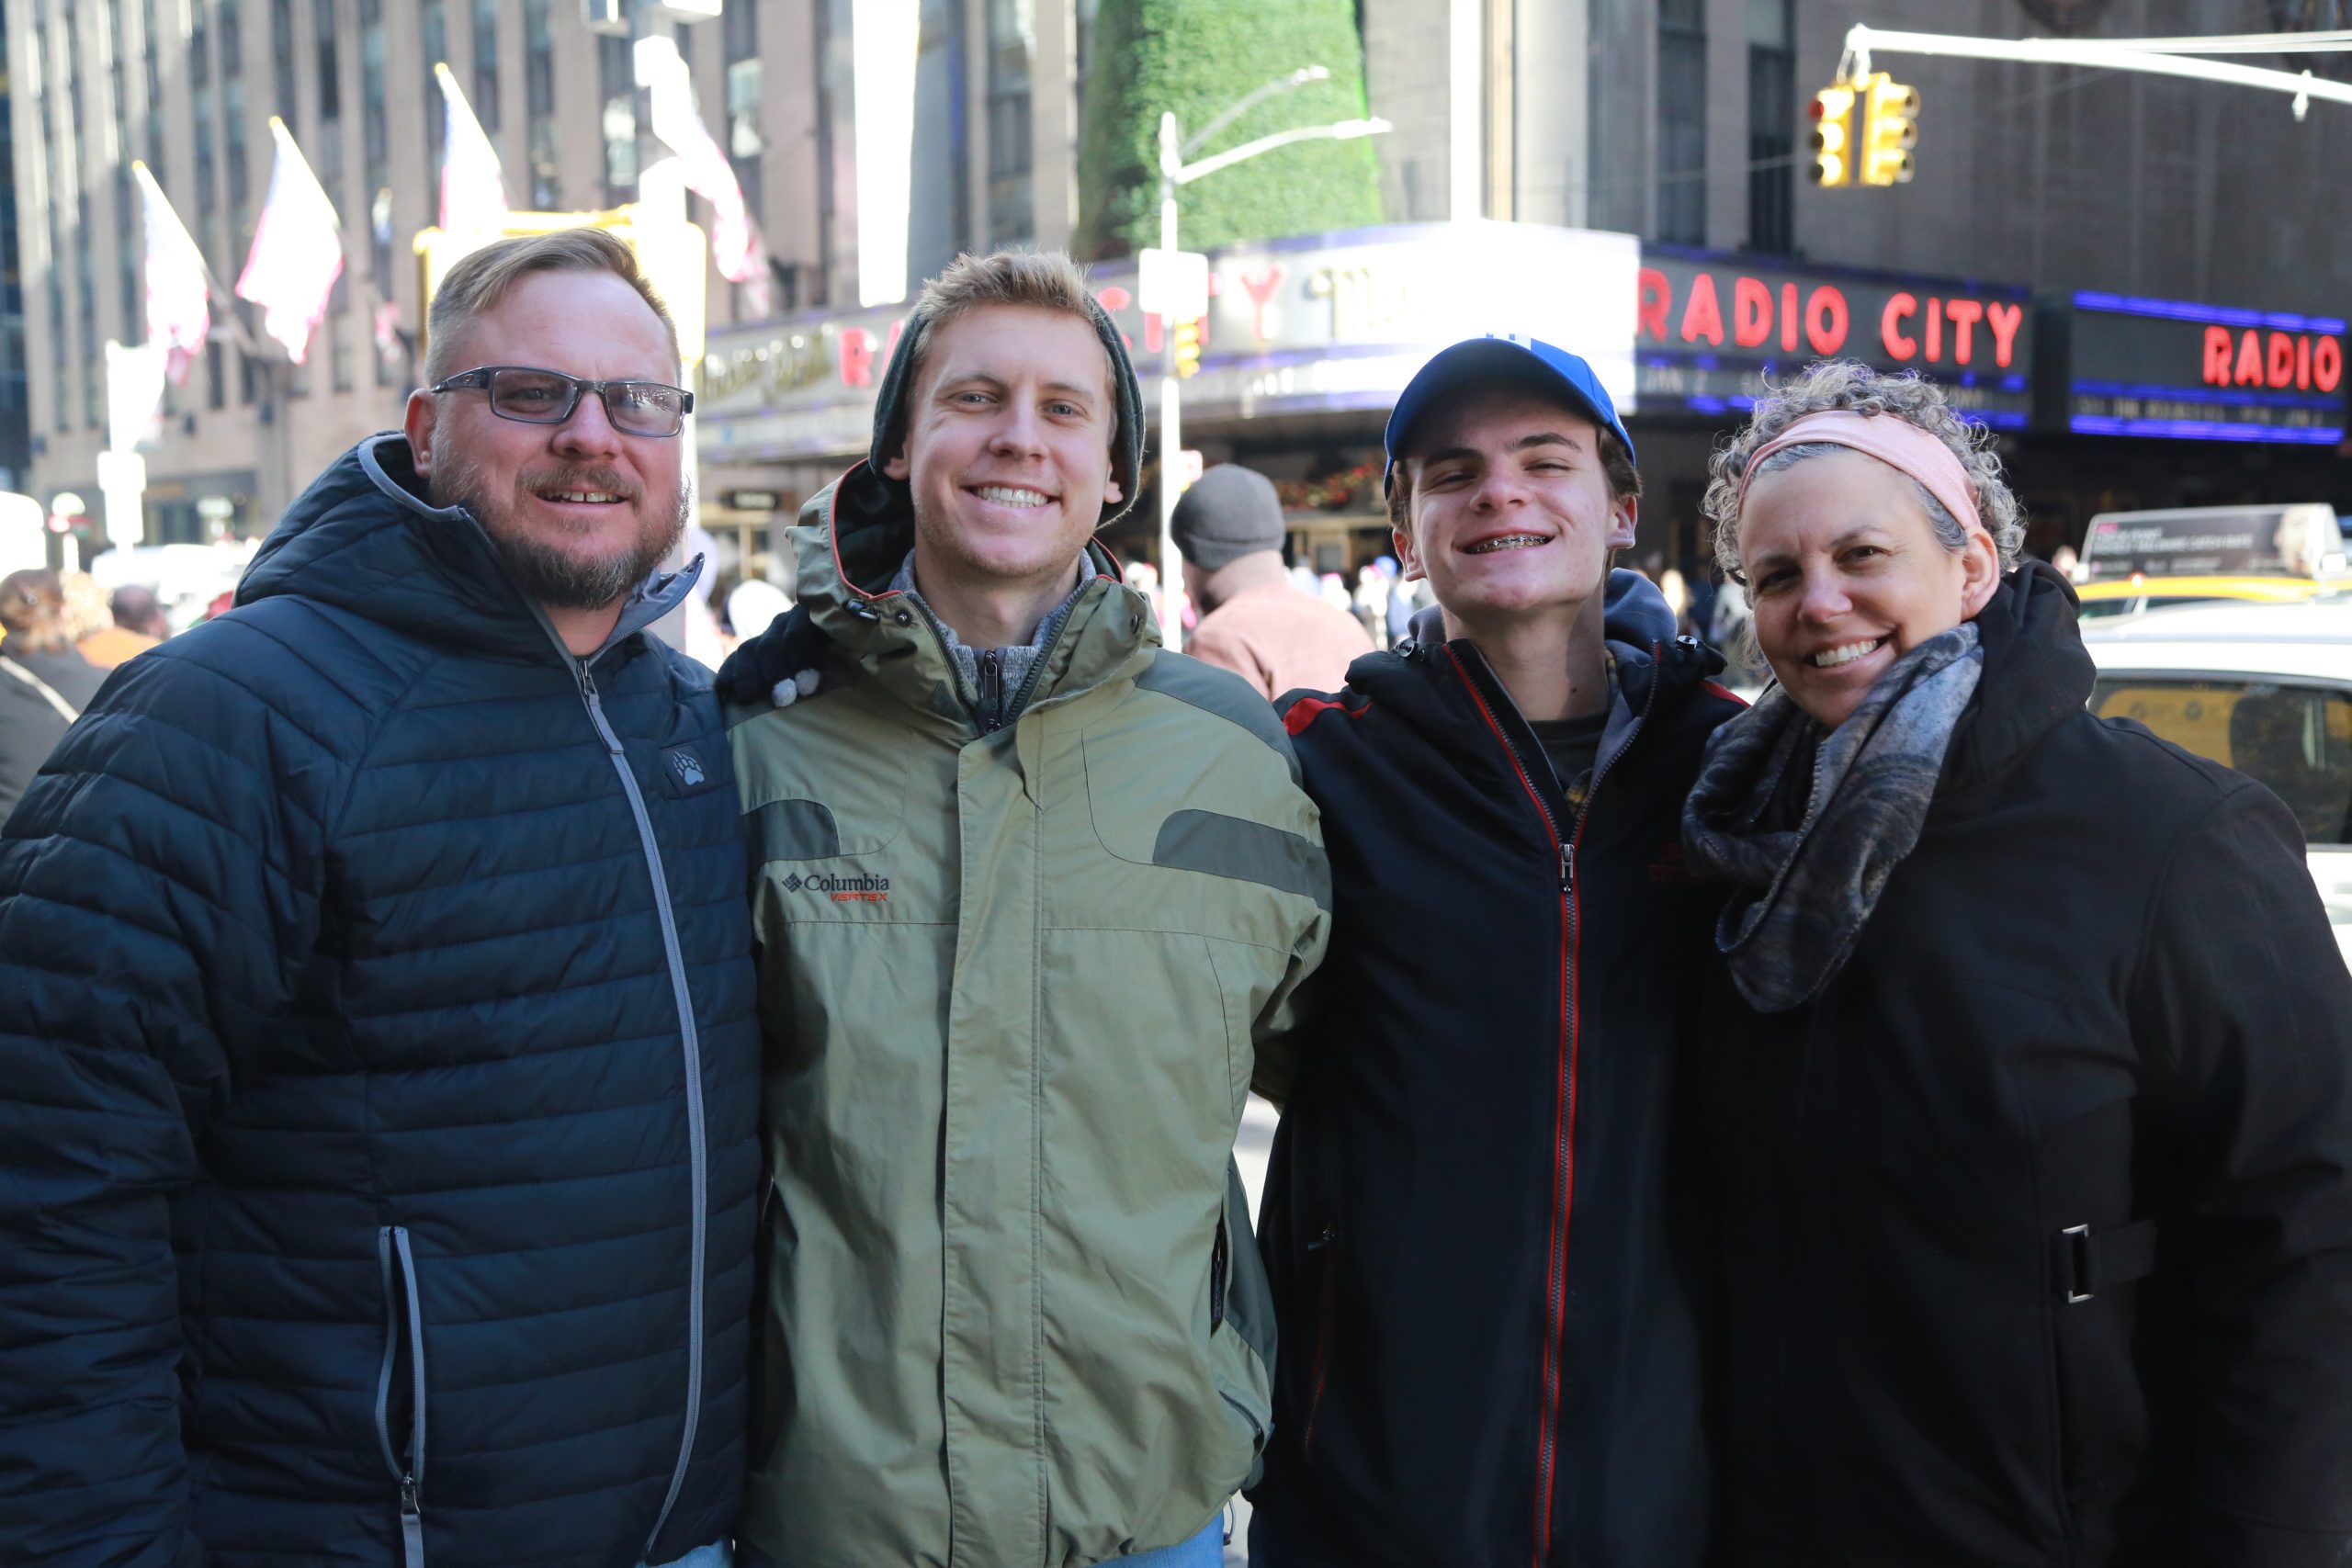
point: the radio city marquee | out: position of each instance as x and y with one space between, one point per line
2165 368
1712 331
1341 322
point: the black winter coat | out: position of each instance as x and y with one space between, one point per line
377 1080
30 725
1490 1336
2100 992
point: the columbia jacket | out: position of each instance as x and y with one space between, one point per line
376 1118
1484 1273
2095 1026
1013 982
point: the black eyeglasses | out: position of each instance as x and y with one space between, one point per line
549 397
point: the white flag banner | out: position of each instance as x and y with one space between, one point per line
297 251
473 196
735 244
178 297
135 389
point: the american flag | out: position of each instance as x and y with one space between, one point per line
179 300
473 196
297 249
735 244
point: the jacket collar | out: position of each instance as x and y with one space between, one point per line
363 537
848 545
2036 674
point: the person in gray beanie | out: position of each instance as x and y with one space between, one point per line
1253 622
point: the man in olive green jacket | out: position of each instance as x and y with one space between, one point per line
1028 889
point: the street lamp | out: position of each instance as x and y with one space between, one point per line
1175 173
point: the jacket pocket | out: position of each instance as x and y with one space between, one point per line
1325 1248
403 1367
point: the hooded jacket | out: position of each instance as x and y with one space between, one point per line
1485 1271
2096 1025
1013 976
376 1118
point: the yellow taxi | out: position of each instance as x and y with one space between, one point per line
2136 562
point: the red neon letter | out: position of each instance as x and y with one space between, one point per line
2282 359
1702 314
2303 363
2004 320
1654 296
1899 344
1751 312
2217 356
1825 319
1789 317
1260 291
1964 315
2327 363
2249 370
857 357
1935 329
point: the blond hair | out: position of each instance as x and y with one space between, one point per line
480 281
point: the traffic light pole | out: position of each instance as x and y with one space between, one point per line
2162 57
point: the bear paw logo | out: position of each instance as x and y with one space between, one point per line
688 769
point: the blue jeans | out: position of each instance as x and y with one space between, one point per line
714 1555
1206 1550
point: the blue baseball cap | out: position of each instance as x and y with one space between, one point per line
1481 362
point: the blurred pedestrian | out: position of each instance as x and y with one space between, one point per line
1229 527
44 680
2026 1057
379 1068
137 624
1475 1218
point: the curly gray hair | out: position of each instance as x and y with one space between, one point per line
1847 384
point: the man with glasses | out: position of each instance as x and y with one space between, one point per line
379 1072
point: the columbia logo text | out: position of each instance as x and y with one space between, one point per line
842 889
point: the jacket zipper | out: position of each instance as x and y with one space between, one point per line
990 698
1564 847
993 670
1323 1313
398 1267
692 1045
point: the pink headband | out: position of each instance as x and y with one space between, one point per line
1896 442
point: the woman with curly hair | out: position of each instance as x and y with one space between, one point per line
2024 1062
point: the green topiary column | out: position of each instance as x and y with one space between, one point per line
1197 57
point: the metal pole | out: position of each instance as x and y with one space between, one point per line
1171 420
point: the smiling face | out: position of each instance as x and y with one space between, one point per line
580 512
1008 446
1846 576
1511 514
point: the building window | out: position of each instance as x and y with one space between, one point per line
233 147
486 64
1013 44
433 27
616 90
744 145
233 36
374 142
939 216
538 95
1086 10
208 176
330 60
1682 121
286 65
1772 125
200 44
156 162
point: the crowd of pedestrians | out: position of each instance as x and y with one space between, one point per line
476 1092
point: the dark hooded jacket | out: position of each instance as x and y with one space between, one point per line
1484 1275
2095 1023
377 1080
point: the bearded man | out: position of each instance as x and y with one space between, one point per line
376 1085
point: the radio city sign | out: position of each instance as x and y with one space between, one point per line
1711 330
2171 369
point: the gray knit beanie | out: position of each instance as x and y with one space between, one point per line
1229 512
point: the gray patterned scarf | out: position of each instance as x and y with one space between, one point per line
1807 825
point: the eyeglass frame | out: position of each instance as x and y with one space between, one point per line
479 378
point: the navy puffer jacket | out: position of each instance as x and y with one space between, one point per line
377 1080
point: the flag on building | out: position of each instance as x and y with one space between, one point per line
735 244
473 196
179 294
297 249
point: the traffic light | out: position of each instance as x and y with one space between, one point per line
1890 129
1185 348
1833 135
